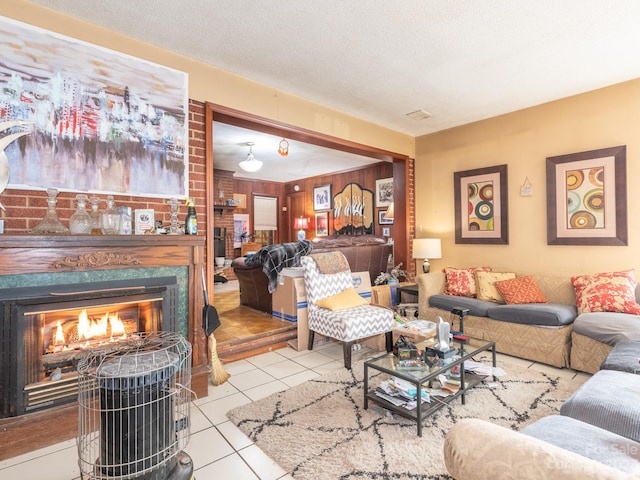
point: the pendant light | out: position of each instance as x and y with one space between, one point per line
251 164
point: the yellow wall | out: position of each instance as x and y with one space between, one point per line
603 118
214 85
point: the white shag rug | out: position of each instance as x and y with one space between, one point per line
320 429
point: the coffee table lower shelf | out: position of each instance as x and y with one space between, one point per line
471 380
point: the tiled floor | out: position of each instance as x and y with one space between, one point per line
217 448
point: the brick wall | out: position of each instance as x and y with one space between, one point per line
26 208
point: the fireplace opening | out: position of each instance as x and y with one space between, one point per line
47 331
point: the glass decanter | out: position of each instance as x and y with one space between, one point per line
96 228
50 224
110 218
80 222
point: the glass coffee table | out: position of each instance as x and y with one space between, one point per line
423 376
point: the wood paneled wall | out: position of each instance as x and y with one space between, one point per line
365 177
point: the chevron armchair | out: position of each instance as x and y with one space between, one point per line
346 325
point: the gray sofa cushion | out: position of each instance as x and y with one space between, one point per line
587 440
546 314
476 307
608 327
608 400
625 357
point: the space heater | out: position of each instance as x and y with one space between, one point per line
133 409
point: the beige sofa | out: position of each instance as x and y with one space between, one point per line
583 345
550 345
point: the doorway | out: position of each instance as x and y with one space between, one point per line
218 113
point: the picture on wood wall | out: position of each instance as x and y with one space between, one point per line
481 208
97 120
353 211
587 198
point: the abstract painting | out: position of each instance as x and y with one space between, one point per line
587 198
481 207
97 120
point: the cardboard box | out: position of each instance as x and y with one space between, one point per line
386 295
289 302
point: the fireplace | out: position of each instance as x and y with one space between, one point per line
41 264
46 331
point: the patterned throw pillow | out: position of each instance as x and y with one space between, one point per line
520 290
486 288
461 281
606 292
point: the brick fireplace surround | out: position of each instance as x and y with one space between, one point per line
48 256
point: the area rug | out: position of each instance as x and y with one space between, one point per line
320 429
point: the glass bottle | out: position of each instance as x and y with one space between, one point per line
96 227
191 221
110 218
50 224
80 222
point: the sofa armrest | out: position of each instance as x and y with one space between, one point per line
432 283
476 450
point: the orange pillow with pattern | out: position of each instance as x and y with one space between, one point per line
520 290
461 282
606 292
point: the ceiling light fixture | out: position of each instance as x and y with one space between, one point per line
251 164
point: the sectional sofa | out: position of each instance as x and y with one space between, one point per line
596 435
554 333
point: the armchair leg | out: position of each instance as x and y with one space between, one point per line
346 347
389 341
310 343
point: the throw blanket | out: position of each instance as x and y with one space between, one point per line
274 258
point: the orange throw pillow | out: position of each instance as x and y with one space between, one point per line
461 282
606 292
520 290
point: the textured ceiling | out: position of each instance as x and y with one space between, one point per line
378 60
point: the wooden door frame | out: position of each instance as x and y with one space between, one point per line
219 113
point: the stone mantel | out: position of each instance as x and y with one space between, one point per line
25 254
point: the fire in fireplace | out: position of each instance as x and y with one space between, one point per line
46 331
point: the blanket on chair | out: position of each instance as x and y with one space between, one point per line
274 258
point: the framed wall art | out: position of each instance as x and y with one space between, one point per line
322 224
587 198
322 198
382 220
384 192
481 207
97 120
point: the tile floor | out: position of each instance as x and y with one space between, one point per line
217 448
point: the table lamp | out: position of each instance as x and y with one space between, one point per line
301 223
427 248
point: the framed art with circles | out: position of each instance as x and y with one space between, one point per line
587 198
481 207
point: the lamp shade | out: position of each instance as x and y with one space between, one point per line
301 223
427 248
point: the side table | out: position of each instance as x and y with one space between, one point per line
410 289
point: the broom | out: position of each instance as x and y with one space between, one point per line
211 321
218 374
